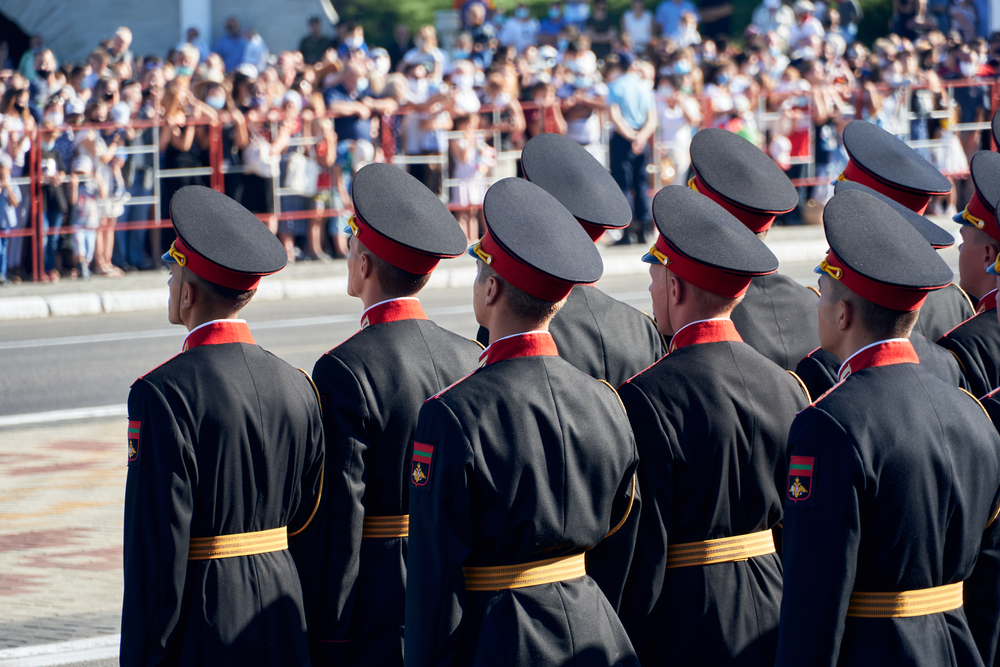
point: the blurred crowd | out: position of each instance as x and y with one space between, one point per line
633 89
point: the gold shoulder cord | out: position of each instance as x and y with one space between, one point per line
802 385
961 366
813 288
631 495
966 295
481 346
322 469
996 512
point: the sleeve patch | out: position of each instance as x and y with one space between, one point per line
801 473
134 428
420 467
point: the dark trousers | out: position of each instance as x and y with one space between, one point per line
629 172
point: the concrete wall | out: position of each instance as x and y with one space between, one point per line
72 28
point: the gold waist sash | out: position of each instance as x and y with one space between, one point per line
504 577
241 544
386 527
722 550
906 603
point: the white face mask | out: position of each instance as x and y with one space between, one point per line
462 81
968 68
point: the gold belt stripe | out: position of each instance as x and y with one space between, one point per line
504 577
722 550
906 603
241 544
386 527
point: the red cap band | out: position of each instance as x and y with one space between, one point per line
756 221
719 282
985 214
522 276
214 273
915 201
593 231
887 296
398 255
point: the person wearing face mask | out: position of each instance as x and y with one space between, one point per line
521 30
231 45
44 85
353 43
548 29
638 22
54 204
425 52
973 101
773 15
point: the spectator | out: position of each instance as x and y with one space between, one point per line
17 127
137 181
584 98
601 30
352 108
806 25
851 15
638 24
185 60
9 199
44 85
633 118
314 45
400 43
548 29
255 53
471 159
354 42
54 205
484 36
688 31
119 53
772 15
521 30
231 45
86 189
668 15
193 37
425 52
26 67
964 18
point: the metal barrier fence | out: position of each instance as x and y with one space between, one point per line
389 141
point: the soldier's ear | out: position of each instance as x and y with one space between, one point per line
493 290
189 295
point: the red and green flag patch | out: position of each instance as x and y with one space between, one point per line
420 472
800 480
133 441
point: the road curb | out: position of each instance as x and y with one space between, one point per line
620 262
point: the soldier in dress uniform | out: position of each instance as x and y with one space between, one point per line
711 421
520 469
777 316
225 447
372 386
887 165
603 337
893 481
976 341
819 368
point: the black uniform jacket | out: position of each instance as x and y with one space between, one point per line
818 370
225 438
603 337
525 459
777 317
893 478
976 345
943 310
372 386
710 421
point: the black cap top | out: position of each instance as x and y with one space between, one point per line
706 245
221 241
412 227
878 255
890 160
937 237
996 129
565 170
985 171
534 242
742 173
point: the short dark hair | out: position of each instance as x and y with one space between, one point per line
520 302
218 294
880 321
705 299
394 281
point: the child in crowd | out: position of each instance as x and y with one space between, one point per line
85 190
471 159
9 199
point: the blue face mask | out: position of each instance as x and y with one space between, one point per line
682 67
522 13
562 44
216 101
184 71
723 78
48 145
554 13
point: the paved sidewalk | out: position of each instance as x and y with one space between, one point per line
148 291
61 508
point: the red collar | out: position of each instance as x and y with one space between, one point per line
531 344
219 332
705 331
988 302
393 310
882 353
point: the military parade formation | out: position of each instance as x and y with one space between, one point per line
757 473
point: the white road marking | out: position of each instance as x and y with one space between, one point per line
61 653
64 415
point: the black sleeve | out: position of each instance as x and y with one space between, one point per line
982 591
440 539
159 501
818 372
972 368
822 531
327 553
